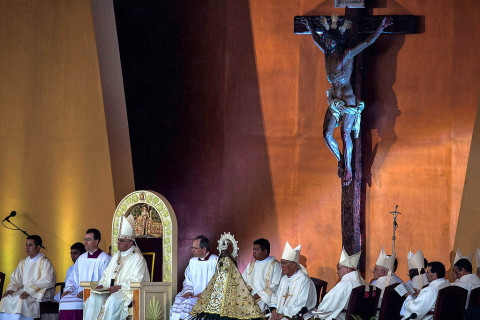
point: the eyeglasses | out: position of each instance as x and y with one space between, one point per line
195 248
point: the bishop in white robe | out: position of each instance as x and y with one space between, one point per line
296 292
336 300
126 266
32 281
200 270
263 274
425 301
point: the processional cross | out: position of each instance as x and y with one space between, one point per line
286 296
362 24
395 226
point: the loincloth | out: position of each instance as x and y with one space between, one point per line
338 108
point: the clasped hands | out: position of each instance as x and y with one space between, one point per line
276 316
187 295
24 295
112 289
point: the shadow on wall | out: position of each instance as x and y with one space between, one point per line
195 118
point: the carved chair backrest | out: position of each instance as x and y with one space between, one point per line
391 304
450 303
321 288
474 298
363 303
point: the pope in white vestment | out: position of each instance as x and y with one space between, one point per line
126 266
336 300
200 270
32 279
296 290
263 274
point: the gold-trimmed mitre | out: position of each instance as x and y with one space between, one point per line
349 261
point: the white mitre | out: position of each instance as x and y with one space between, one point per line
349 261
291 254
127 226
386 261
459 256
416 261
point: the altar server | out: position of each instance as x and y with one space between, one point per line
125 267
296 292
32 281
88 267
199 271
76 250
263 274
336 299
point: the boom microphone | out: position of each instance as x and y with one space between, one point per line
12 214
412 316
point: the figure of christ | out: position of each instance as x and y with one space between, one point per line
343 105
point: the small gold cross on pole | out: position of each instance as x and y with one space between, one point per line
286 296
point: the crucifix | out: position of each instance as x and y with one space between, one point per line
342 39
395 226
286 296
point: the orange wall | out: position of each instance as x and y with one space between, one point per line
421 104
424 89
54 161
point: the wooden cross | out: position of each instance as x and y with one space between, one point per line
353 195
286 296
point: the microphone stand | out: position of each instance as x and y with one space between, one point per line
16 228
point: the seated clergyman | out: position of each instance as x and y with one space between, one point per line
383 272
416 270
125 267
336 300
465 279
296 294
199 271
88 267
31 282
263 274
76 250
424 302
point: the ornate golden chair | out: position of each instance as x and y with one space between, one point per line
156 236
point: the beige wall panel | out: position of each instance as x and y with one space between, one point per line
55 166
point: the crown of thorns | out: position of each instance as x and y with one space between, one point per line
347 24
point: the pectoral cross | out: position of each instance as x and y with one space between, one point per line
286 296
354 194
